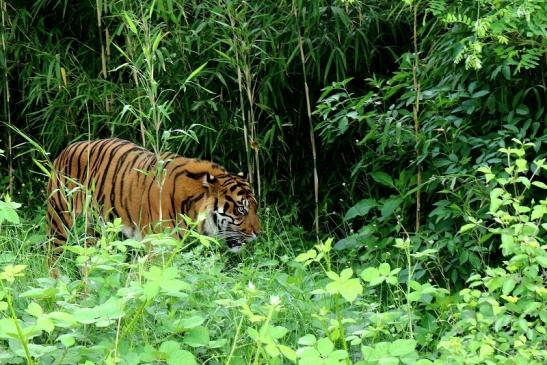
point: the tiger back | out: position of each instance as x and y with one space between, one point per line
120 179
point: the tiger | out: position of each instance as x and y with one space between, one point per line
148 192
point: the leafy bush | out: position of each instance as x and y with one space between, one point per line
184 302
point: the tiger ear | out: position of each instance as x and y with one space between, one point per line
242 174
208 179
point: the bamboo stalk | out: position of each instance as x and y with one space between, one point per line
312 135
242 103
103 51
415 111
7 103
109 99
252 125
137 85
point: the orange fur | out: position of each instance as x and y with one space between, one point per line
122 181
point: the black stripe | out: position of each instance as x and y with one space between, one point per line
78 162
135 182
183 206
107 169
173 213
152 180
179 166
195 176
195 199
104 145
228 197
178 175
88 169
122 193
215 209
55 225
117 173
227 182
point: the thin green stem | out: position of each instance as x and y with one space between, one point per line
20 334
409 278
234 343
262 333
341 328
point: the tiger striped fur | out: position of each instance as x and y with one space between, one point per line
122 180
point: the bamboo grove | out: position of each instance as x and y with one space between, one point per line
384 107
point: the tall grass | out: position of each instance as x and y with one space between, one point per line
319 101
124 66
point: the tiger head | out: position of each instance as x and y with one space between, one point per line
231 208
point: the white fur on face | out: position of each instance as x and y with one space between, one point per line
209 226
236 249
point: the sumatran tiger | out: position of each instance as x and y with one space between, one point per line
123 180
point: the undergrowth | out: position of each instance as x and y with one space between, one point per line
187 301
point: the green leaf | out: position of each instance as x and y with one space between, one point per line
181 357
522 110
384 269
325 346
169 347
192 322
480 93
467 227
495 202
346 274
8 328
508 285
34 309
44 323
370 274
130 22
174 285
389 206
486 350
157 40
348 288
388 361
8 211
62 319
67 339
351 289
307 340
539 184
194 73
311 254
414 296
332 275
382 178
40 350
197 336
402 347
360 209
288 352
272 350
276 332
542 260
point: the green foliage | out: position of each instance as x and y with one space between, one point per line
182 302
502 315
8 211
458 279
464 117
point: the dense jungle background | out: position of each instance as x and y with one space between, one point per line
397 150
